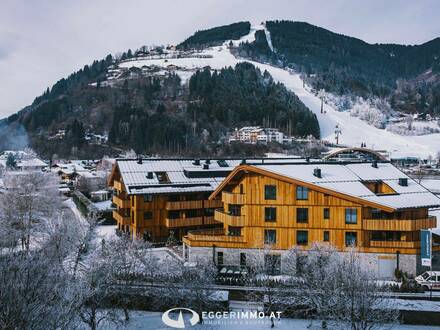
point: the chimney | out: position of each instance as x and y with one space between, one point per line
308 159
206 166
403 182
243 162
196 162
374 164
149 175
139 160
208 161
317 172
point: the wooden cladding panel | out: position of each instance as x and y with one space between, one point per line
399 225
230 220
184 205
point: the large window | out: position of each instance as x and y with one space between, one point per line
351 216
326 236
270 214
302 193
302 237
270 236
270 192
234 231
272 264
302 215
234 209
326 213
350 238
148 215
173 214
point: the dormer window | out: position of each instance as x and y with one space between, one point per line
162 177
379 187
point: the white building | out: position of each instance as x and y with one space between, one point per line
254 134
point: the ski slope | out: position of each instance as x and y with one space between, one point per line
354 130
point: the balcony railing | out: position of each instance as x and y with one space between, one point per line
183 222
229 219
121 218
121 203
184 205
394 244
118 185
213 203
399 225
213 235
231 198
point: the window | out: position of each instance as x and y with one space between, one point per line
192 213
234 231
234 209
326 213
209 212
146 236
173 214
326 236
148 198
270 236
270 214
302 215
241 188
351 216
350 238
302 237
270 192
148 215
272 264
219 258
173 198
242 259
302 193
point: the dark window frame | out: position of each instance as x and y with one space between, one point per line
302 242
326 213
351 216
268 239
348 242
270 192
302 215
270 214
302 193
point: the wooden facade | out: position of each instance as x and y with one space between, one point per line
155 216
261 208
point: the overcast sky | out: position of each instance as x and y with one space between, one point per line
43 41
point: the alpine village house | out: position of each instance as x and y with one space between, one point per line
229 211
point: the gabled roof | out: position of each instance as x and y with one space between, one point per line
346 180
185 175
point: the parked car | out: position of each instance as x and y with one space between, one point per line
429 279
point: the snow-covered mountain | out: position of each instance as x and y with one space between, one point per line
354 130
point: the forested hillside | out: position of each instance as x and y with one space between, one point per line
158 115
344 65
216 36
245 96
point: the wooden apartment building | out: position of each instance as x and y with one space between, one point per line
157 197
372 206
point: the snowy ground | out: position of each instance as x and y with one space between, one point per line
152 320
354 130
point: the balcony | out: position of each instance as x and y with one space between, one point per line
231 198
121 203
183 222
399 225
210 221
231 220
213 235
121 218
212 204
184 205
394 244
118 185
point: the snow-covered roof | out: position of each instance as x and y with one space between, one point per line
349 179
183 174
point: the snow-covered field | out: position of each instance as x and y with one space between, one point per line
354 130
153 320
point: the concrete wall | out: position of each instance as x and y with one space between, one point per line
381 264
